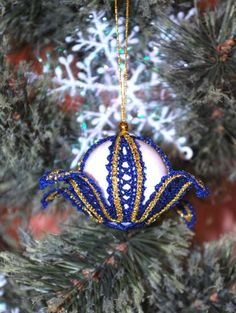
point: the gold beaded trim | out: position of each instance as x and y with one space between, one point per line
99 200
138 166
88 207
55 194
200 183
166 208
52 196
54 175
186 216
118 207
156 199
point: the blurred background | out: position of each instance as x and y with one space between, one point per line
59 95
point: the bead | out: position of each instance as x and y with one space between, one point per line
123 126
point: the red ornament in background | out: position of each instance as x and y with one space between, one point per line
71 103
204 5
38 224
10 223
36 58
44 223
216 215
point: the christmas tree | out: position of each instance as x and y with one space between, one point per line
59 96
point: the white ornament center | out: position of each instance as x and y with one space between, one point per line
155 168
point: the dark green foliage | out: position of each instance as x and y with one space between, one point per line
94 269
35 135
194 59
209 281
199 61
211 126
32 21
14 298
111 271
41 21
89 268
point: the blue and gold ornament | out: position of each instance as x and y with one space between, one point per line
125 181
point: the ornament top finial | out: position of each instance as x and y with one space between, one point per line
123 126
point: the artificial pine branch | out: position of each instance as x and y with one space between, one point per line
200 51
211 131
31 138
199 61
95 269
35 134
39 21
31 141
209 281
14 299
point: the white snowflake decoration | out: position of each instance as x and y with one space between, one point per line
182 17
97 79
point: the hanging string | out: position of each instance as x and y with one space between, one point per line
123 66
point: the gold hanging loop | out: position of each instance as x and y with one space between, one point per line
123 67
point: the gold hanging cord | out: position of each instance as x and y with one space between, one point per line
123 66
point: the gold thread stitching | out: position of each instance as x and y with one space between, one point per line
99 200
166 208
157 197
186 216
56 194
52 196
118 207
138 165
88 207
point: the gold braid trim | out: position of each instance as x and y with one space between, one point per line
118 207
138 165
56 194
157 197
52 196
136 156
186 216
166 208
99 200
88 207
